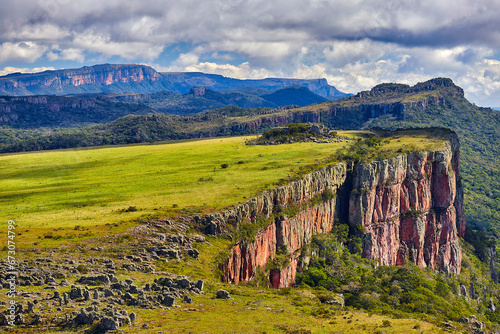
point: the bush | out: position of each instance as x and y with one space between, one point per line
224 165
82 269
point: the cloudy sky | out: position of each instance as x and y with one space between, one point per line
354 44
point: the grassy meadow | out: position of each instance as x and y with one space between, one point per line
86 201
60 195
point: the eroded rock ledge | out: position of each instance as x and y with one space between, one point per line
411 207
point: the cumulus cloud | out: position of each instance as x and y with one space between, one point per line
10 69
354 44
21 52
243 71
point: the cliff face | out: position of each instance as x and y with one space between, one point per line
133 78
292 233
410 207
70 81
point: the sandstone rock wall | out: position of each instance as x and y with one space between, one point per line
410 207
294 232
58 81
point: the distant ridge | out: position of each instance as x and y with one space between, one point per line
136 79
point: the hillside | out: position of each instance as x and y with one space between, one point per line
123 237
202 99
31 112
137 79
437 102
51 111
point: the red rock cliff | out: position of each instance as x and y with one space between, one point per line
94 78
410 207
292 232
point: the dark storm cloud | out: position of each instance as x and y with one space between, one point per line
434 24
471 33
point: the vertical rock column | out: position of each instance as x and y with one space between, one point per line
407 206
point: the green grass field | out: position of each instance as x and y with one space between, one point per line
112 186
71 198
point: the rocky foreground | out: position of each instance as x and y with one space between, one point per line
62 291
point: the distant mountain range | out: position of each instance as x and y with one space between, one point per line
137 79
79 110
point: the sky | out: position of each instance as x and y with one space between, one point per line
354 44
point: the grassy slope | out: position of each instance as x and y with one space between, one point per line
46 190
43 191
54 188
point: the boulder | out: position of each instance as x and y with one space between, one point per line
338 300
94 280
108 324
76 292
199 285
183 283
222 294
167 300
108 293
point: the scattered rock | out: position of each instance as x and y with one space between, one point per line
19 319
492 307
76 292
31 307
94 280
108 293
463 290
199 285
86 294
85 318
64 283
113 279
183 283
193 252
167 300
108 324
222 294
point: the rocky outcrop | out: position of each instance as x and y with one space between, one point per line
68 81
409 207
284 231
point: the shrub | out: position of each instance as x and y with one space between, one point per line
386 323
328 195
224 165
